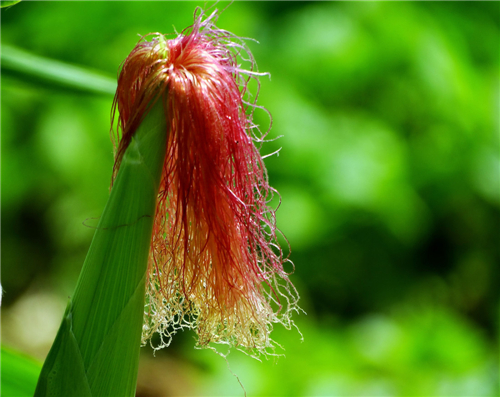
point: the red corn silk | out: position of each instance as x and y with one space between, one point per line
215 265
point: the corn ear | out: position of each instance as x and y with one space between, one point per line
96 351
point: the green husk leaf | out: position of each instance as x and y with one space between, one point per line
99 340
61 378
102 371
50 73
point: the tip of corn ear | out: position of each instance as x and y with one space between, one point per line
215 265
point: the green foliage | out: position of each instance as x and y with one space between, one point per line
379 355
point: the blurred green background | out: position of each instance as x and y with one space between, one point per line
389 174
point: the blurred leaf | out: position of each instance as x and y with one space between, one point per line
54 74
5 3
19 373
96 351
